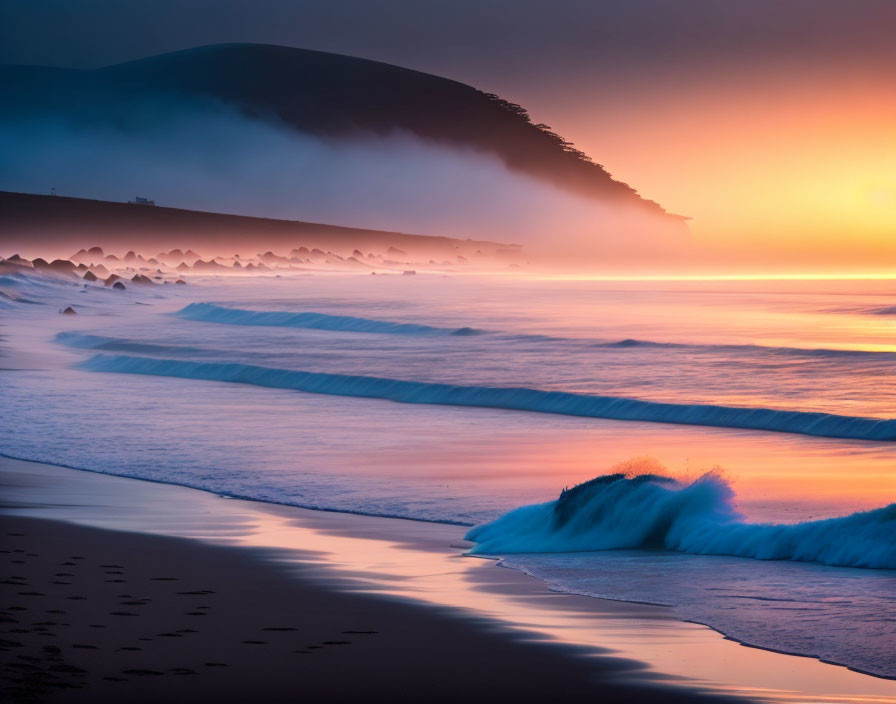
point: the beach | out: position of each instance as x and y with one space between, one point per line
229 600
312 453
100 615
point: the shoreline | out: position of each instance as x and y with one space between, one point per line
251 641
506 600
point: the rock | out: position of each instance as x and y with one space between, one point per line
90 276
181 282
357 253
113 278
141 279
39 263
183 266
409 272
395 250
62 265
118 285
237 265
95 252
69 311
210 265
317 253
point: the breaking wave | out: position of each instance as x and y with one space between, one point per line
210 313
634 343
111 344
522 399
617 511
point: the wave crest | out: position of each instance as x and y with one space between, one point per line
620 511
210 313
519 399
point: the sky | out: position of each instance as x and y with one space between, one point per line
771 123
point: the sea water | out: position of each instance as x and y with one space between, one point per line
751 426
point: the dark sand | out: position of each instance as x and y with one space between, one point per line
90 615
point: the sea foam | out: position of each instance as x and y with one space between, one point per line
616 511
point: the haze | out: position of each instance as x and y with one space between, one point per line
770 124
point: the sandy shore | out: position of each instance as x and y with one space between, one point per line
95 615
122 590
101 616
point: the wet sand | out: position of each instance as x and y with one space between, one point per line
92 615
232 600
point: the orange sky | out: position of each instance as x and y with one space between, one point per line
779 171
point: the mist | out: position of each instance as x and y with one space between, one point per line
209 157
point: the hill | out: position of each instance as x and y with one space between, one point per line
321 94
40 223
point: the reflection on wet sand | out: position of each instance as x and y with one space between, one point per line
424 562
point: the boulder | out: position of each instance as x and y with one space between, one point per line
62 265
141 279
90 276
118 285
181 282
69 311
113 278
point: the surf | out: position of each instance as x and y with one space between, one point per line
210 313
508 398
620 511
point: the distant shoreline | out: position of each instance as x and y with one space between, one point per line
61 222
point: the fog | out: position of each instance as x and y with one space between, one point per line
211 158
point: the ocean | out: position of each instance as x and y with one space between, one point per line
738 438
